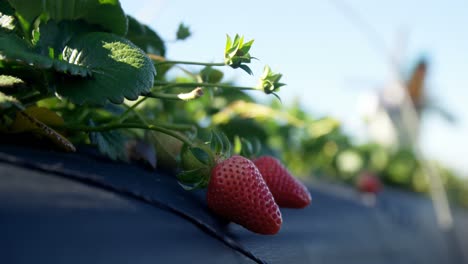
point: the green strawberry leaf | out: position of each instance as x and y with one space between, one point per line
227 146
15 50
256 146
211 75
111 144
236 53
201 155
216 143
246 128
183 32
196 157
28 10
193 179
53 36
120 69
10 84
145 38
107 14
249 148
246 149
269 81
7 102
7 19
246 69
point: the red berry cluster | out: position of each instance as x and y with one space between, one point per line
250 193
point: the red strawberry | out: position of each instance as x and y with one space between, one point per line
238 192
287 190
368 183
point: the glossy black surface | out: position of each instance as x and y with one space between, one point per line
79 208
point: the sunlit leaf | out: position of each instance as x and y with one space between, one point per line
7 20
10 83
119 68
8 102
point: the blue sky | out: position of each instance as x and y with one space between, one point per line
329 59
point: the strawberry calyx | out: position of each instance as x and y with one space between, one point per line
248 148
198 160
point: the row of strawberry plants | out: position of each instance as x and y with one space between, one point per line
318 148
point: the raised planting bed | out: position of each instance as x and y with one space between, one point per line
84 208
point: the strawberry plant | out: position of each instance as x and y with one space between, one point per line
84 72
86 63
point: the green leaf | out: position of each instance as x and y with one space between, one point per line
256 147
107 14
269 81
53 36
236 53
145 38
15 50
7 20
8 102
216 142
10 83
110 143
247 148
211 75
246 128
119 68
191 176
227 146
246 69
193 179
250 148
201 155
183 32
27 9
196 157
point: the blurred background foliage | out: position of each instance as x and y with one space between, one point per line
314 148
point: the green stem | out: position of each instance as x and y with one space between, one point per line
108 127
216 64
166 85
130 109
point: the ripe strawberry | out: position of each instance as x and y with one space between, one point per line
238 192
287 190
369 183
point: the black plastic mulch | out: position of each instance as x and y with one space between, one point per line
80 208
